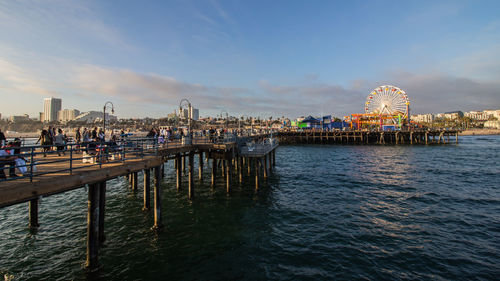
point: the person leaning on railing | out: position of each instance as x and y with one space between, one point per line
6 158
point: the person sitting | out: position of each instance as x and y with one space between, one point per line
6 158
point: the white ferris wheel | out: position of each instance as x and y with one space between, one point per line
387 99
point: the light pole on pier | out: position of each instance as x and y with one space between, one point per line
185 101
108 103
227 117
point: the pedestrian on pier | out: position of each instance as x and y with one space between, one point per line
3 139
60 141
6 158
94 134
45 140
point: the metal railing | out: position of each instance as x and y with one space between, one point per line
32 161
253 148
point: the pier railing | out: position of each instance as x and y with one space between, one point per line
32 161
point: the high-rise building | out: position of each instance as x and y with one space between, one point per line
51 107
184 113
194 114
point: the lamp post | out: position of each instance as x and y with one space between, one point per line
108 103
239 121
189 113
227 116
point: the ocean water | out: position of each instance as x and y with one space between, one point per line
326 212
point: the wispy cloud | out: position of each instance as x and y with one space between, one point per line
222 13
17 79
64 22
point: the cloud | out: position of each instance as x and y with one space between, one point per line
64 22
435 92
439 93
431 92
159 89
17 79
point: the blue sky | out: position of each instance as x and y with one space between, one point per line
267 58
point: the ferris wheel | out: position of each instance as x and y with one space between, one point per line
387 99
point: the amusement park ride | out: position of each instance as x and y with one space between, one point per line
386 107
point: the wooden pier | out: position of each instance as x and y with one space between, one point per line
368 137
54 177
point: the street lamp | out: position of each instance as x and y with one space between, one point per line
104 116
227 116
189 112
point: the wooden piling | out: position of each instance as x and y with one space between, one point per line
93 226
256 160
147 189
214 171
200 167
33 213
240 172
264 159
191 175
179 171
102 210
274 157
249 165
134 181
183 163
157 198
229 177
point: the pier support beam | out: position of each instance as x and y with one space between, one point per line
93 227
274 157
264 159
229 177
249 165
33 208
179 171
191 175
147 189
134 181
214 171
240 167
157 198
257 172
102 210
184 163
200 167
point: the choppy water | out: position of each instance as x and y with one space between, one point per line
327 212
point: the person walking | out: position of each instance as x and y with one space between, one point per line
45 140
60 141
3 139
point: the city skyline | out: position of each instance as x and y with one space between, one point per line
254 58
